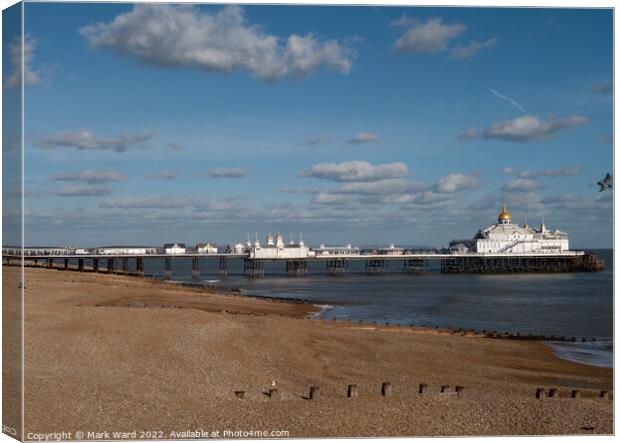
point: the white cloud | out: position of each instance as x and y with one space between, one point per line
356 170
83 139
521 185
429 37
226 173
524 128
82 191
456 182
186 36
461 52
364 137
568 171
146 203
383 186
164 175
15 57
90 176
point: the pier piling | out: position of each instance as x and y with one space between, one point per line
553 393
337 266
352 391
459 391
253 268
195 267
96 264
376 266
168 267
110 265
423 388
296 268
444 388
140 265
80 264
125 265
575 394
66 264
541 393
50 263
223 267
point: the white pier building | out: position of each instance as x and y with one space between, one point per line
506 237
278 249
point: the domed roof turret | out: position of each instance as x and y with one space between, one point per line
504 216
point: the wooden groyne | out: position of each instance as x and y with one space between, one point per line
505 265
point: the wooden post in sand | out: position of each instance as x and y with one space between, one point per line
444 388
386 389
604 394
553 393
274 394
352 391
575 394
541 393
239 394
423 388
315 391
459 391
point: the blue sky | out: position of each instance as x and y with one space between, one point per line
156 123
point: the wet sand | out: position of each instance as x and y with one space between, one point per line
119 353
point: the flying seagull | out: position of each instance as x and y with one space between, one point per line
605 183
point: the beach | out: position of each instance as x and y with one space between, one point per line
122 353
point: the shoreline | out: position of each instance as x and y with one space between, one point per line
157 348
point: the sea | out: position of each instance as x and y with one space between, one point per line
576 305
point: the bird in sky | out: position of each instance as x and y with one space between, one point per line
605 183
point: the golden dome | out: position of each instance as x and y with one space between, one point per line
504 215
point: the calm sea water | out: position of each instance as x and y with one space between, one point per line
572 305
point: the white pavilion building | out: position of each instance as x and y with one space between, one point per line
506 237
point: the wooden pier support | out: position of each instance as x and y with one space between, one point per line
377 266
195 267
140 265
66 264
80 264
96 264
50 263
296 268
315 392
498 265
337 266
415 265
386 389
223 267
125 265
253 268
168 267
110 265
352 391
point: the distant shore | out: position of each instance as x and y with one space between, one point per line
128 353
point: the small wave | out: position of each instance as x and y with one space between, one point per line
594 353
322 309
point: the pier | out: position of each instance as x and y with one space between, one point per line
374 264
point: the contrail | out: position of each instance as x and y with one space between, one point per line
508 99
